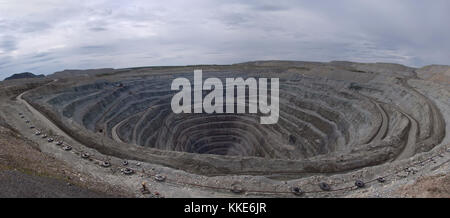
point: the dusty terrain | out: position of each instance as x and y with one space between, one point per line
25 171
365 130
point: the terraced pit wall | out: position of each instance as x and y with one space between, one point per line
334 118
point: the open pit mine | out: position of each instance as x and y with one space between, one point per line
344 130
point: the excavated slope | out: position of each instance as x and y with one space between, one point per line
334 117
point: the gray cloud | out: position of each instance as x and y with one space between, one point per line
8 44
99 33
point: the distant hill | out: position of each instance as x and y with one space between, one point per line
24 76
89 72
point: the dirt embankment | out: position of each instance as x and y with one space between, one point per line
27 172
428 187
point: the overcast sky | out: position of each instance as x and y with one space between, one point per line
44 36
